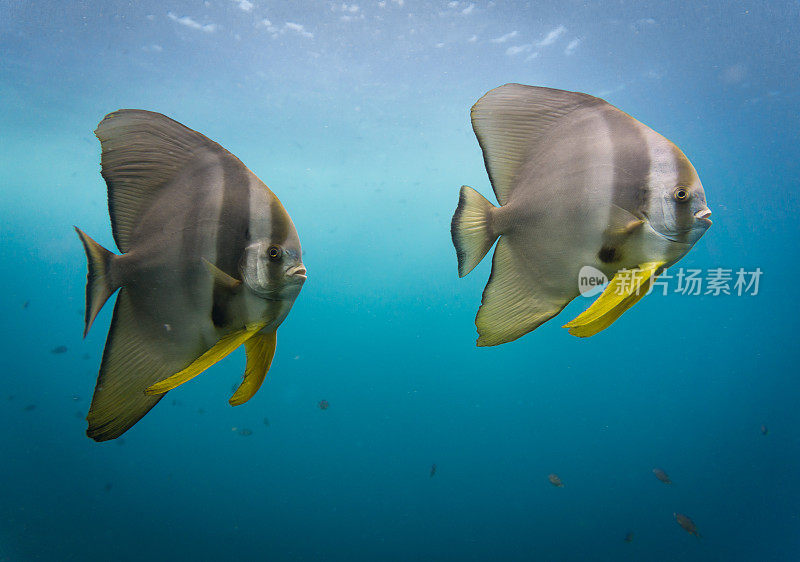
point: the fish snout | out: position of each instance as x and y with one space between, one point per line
702 216
297 272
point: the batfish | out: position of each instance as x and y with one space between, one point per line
210 260
580 183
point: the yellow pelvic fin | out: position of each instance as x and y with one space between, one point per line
221 349
260 351
624 290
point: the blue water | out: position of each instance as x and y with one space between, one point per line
358 119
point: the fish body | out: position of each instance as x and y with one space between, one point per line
686 524
580 183
661 475
555 480
211 260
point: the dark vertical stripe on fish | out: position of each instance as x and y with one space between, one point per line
683 214
232 234
629 183
631 162
278 231
191 238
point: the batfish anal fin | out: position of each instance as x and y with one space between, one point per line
260 351
625 290
130 363
221 279
224 347
511 305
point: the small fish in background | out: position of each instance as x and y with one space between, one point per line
266 422
323 404
687 524
107 487
76 398
580 184
25 305
629 537
555 480
245 432
30 407
433 470
764 430
58 350
85 356
661 475
210 261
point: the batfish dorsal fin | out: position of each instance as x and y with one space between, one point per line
511 120
142 151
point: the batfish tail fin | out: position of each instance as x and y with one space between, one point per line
471 229
99 282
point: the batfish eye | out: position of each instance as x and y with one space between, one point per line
274 253
680 193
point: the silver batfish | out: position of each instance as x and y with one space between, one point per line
210 261
580 184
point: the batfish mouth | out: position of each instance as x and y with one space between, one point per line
298 272
702 216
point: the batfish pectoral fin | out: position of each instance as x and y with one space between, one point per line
621 224
260 351
512 303
221 279
625 289
224 347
